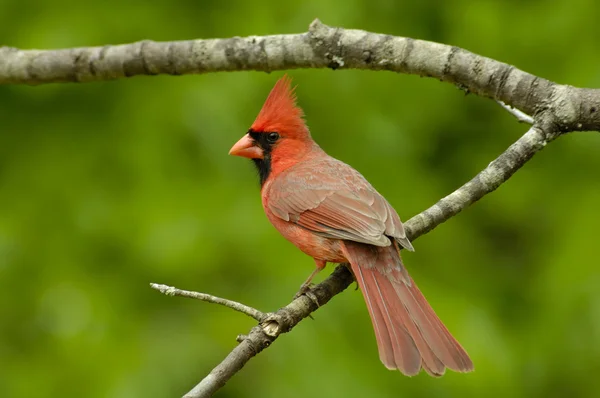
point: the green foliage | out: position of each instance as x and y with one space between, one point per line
109 186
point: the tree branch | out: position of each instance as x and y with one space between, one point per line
488 180
261 336
322 46
234 305
283 320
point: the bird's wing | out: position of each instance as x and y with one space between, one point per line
334 200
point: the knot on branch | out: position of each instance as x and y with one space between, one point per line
276 323
318 29
326 43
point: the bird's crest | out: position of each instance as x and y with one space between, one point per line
280 113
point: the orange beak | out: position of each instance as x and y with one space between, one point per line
246 148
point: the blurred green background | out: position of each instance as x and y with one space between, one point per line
106 187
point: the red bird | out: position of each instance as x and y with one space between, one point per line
331 212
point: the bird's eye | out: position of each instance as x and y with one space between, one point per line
272 137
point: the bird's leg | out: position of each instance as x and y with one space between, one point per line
349 268
305 287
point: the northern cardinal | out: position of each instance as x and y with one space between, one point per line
331 212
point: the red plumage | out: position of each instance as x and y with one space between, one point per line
331 212
280 113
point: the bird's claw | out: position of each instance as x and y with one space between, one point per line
305 290
312 298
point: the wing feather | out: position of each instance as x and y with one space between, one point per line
346 207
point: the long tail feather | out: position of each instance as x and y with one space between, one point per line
409 334
404 354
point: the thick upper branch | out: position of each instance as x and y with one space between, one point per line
322 46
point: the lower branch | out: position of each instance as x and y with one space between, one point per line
261 336
273 324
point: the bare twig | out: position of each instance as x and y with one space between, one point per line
261 336
522 117
234 305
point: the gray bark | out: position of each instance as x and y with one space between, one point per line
322 46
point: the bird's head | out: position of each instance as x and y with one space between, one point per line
279 137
